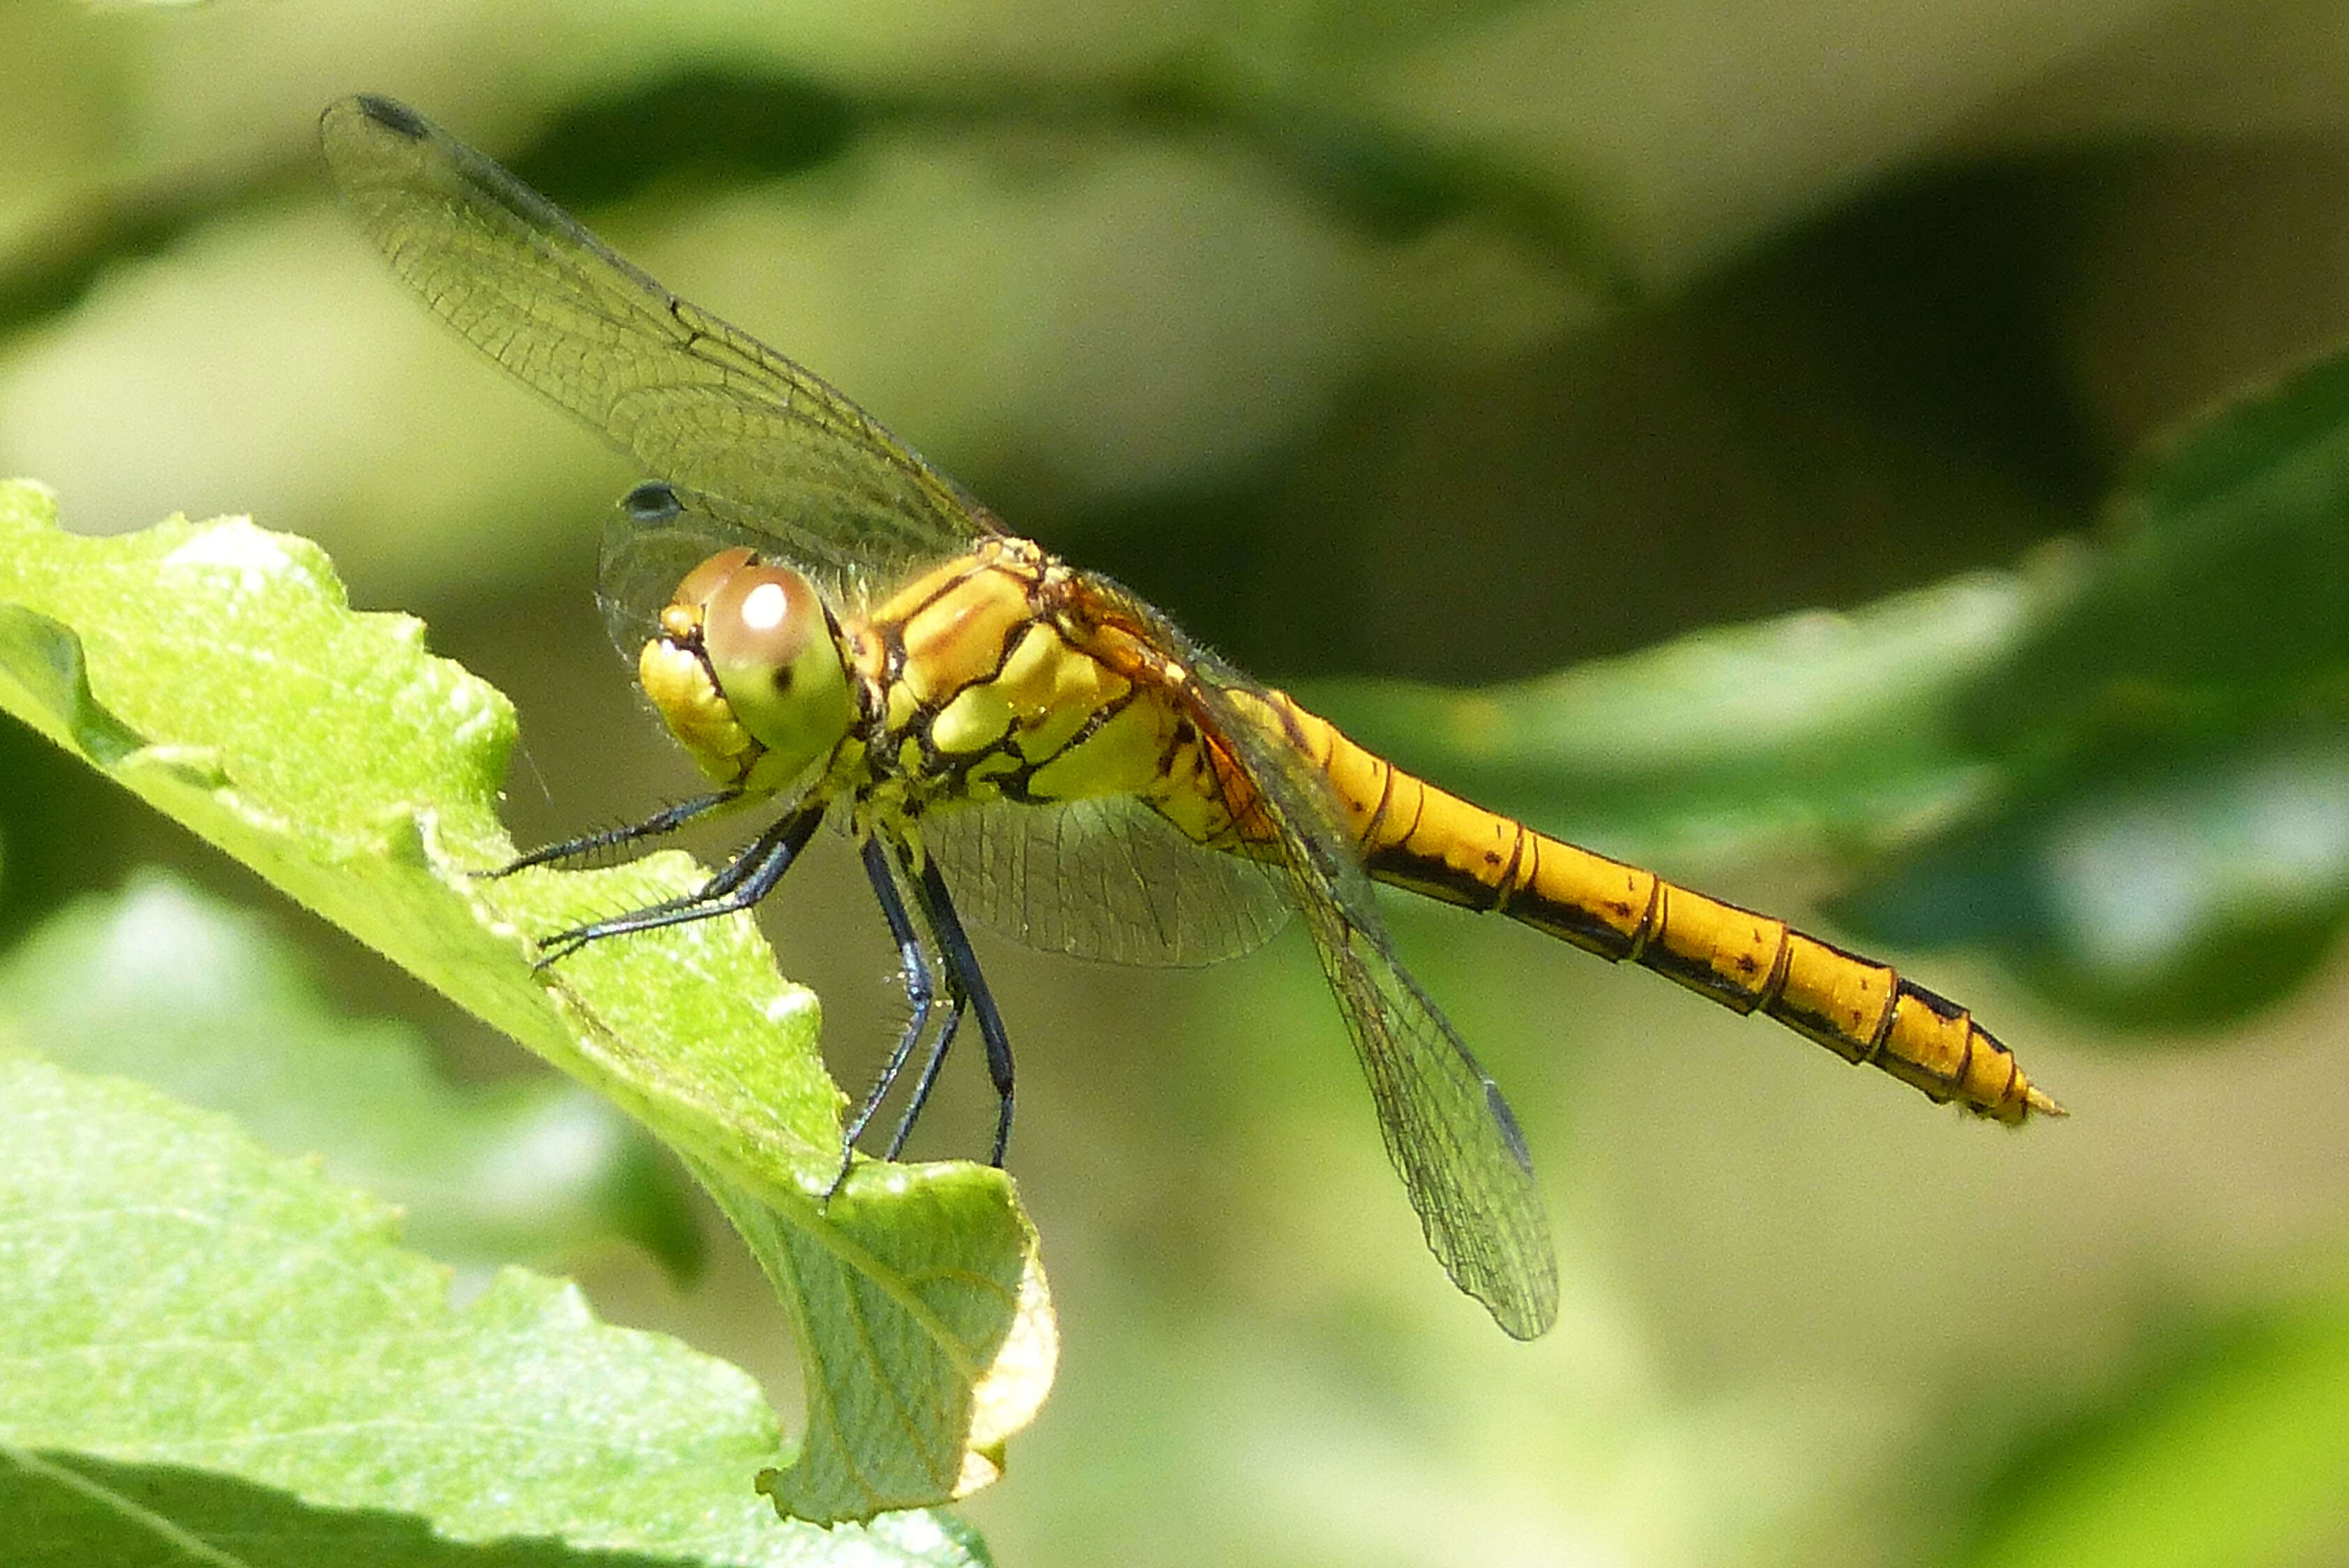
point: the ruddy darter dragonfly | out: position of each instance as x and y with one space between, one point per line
827 624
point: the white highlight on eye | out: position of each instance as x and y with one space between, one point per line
764 607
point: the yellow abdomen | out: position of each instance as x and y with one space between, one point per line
1414 835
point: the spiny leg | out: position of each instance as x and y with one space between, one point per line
928 1080
921 996
968 985
668 819
732 875
747 879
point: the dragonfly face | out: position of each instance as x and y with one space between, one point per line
822 618
748 674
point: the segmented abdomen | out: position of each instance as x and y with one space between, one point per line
1414 835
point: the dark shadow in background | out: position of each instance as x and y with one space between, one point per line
1874 402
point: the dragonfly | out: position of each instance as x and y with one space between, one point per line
831 628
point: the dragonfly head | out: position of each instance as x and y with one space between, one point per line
748 674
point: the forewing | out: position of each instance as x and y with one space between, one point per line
755 442
1448 1130
1105 878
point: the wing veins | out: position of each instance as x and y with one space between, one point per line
763 443
1446 1129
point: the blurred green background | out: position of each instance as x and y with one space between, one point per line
1392 345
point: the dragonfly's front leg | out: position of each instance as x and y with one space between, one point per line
749 876
668 819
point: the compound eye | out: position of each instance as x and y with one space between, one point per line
759 624
770 643
761 633
701 584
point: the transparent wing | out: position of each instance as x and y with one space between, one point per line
647 551
1104 879
1447 1129
755 444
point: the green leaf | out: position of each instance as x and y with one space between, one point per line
2223 608
210 1353
1846 725
2119 768
896 1268
2173 843
2237 1454
2188 892
215 671
166 985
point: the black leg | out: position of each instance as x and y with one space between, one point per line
966 984
921 996
732 875
747 879
668 819
928 1080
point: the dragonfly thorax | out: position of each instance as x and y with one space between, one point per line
998 675
748 674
